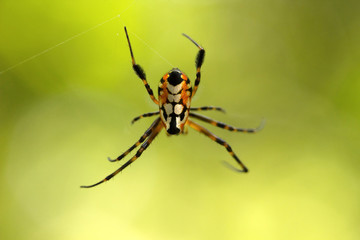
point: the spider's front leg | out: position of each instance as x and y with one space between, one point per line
140 72
199 61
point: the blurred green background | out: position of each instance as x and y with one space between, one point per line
62 113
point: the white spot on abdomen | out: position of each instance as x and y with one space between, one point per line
178 109
174 98
174 89
168 108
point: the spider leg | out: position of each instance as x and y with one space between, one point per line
225 126
206 108
140 72
156 129
203 130
142 139
145 115
199 61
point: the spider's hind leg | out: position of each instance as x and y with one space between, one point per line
203 130
142 139
155 129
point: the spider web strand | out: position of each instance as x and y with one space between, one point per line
63 42
152 49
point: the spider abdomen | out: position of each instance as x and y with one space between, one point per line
174 100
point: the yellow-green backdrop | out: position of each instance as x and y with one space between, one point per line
68 106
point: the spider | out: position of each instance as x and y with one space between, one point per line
174 97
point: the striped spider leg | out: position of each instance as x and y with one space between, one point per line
209 134
199 61
226 126
213 137
140 72
150 114
149 135
206 108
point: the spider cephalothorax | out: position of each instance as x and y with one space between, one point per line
174 98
